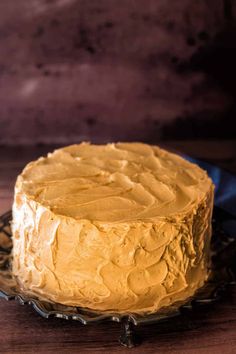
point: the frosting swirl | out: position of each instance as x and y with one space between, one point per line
114 183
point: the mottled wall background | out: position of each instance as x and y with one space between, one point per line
100 70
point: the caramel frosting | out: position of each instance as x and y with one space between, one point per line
119 227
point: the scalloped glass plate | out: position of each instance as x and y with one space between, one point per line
223 248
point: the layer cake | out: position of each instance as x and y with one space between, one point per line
120 227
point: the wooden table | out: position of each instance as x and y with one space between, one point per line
24 331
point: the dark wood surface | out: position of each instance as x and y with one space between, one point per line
211 330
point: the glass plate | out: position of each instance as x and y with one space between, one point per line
223 248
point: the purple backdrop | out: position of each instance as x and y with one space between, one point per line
101 70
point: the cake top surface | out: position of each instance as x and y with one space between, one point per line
114 182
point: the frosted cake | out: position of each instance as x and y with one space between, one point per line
122 227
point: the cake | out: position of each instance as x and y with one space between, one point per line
122 227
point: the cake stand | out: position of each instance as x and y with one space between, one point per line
223 271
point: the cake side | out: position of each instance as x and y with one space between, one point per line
124 267
132 265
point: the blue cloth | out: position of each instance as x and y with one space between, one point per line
225 183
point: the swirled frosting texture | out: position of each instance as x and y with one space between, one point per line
123 227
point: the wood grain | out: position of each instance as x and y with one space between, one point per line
206 331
